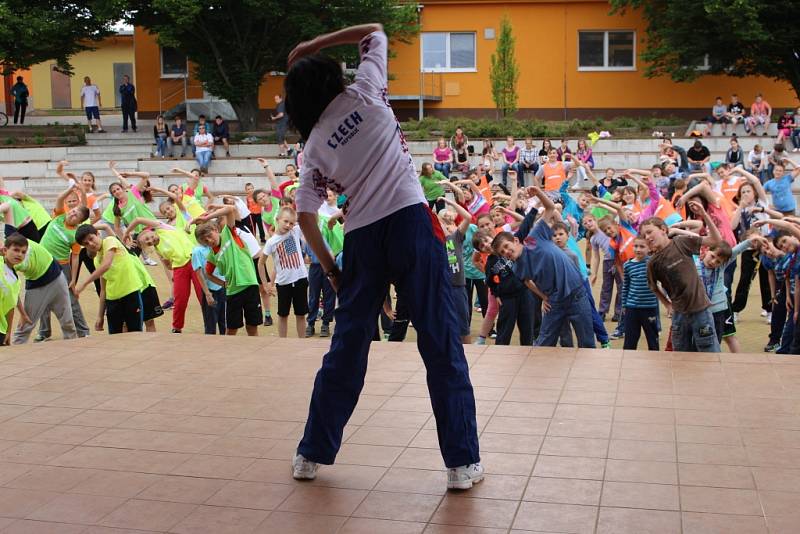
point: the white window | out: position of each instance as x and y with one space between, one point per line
451 52
607 50
173 63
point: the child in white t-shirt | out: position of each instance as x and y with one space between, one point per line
289 275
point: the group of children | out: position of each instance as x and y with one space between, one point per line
664 237
213 248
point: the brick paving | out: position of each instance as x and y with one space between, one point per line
160 433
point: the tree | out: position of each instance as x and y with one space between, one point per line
234 44
505 72
741 38
32 31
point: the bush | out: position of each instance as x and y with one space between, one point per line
432 127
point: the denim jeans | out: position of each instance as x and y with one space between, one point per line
514 167
214 316
694 332
527 168
443 168
796 138
161 146
575 309
203 158
170 144
407 249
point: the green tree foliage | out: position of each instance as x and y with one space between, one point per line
504 73
32 31
740 38
234 44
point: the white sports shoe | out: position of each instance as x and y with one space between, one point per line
303 469
464 477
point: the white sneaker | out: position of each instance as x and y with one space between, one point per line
150 262
464 477
735 317
303 469
763 313
769 317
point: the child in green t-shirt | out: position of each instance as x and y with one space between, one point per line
46 289
230 255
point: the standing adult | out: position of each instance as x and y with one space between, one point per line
391 237
281 121
91 102
20 93
127 95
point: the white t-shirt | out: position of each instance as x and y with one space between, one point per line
358 149
287 255
249 241
241 207
326 210
207 138
90 93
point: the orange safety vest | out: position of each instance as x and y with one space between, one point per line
554 176
623 244
730 190
664 209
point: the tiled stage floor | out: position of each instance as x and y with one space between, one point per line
187 434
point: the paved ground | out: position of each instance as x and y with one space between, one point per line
157 433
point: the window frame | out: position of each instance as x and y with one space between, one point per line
184 74
447 52
606 67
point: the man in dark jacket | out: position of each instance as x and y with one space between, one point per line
221 134
127 93
20 93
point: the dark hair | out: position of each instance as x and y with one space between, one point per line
19 79
478 237
560 225
311 84
84 231
17 240
501 238
218 117
258 192
117 212
654 221
201 117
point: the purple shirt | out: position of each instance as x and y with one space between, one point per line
442 155
510 154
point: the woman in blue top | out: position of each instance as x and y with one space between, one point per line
780 187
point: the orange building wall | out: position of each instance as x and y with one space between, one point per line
546 36
149 81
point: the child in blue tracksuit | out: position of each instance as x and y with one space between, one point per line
391 236
552 276
213 301
318 284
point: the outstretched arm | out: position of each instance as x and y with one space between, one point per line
713 238
273 182
550 214
351 35
466 217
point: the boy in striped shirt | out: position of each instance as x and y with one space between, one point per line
638 300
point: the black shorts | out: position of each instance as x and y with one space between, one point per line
462 309
723 323
151 306
258 274
125 312
721 120
244 308
293 296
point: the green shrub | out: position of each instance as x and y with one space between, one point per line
431 127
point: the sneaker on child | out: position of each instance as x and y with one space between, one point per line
303 469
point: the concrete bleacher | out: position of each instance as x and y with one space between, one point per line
33 170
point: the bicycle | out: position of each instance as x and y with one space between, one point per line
3 119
